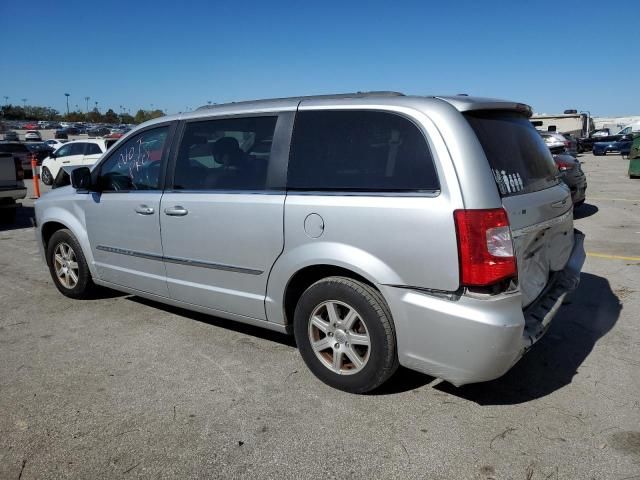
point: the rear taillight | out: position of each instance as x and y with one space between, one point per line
562 165
19 169
485 247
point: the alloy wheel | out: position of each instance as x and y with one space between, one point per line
339 337
66 265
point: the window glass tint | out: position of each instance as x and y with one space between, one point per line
63 151
92 149
518 156
13 147
135 165
76 149
359 151
227 154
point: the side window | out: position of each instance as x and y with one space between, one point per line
77 149
92 149
64 151
226 154
359 151
135 165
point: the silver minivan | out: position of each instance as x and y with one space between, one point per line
380 229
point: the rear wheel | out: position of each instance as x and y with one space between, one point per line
68 267
345 334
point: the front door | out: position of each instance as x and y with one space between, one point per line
123 218
222 218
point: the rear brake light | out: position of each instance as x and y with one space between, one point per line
485 247
562 165
19 169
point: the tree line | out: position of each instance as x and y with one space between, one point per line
30 112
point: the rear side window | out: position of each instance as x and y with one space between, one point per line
359 151
76 149
518 156
92 149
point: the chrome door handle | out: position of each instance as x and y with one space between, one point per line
144 210
176 211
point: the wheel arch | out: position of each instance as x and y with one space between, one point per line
299 268
54 222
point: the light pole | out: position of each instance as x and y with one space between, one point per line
67 95
6 100
86 99
97 106
24 103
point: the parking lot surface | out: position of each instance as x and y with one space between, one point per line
124 387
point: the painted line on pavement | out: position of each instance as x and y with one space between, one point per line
612 257
614 199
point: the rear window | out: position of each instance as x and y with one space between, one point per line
519 159
13 148
364 151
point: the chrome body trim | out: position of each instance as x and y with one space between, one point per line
180 261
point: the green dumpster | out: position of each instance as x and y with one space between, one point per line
634 158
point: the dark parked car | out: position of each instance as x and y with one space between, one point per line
11 136
99 132
61 134
41 150
597 136
20 151
572 175
621 146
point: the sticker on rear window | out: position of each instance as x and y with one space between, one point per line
508 182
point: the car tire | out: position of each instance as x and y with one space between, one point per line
68 266
345 334
46 176
578 203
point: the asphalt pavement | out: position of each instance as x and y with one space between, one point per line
121 387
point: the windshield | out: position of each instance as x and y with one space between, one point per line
519 158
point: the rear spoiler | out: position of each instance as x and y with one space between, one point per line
468 104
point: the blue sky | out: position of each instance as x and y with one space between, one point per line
179 55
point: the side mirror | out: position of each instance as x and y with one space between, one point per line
52 154
81 178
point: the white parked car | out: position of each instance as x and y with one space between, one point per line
77 152
32 135
55 143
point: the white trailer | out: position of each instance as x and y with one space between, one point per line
577 124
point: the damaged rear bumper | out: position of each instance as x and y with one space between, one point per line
539 314
466 339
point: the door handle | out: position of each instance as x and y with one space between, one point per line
144 210
560 204
176 211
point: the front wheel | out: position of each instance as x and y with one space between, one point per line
68 267
46 176
345 334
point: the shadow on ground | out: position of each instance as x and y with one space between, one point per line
24 216
220 322
587 315
584 211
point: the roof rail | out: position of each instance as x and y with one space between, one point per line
380 93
